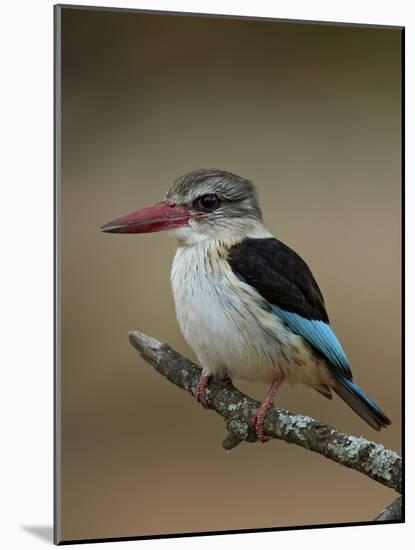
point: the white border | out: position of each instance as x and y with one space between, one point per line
26 260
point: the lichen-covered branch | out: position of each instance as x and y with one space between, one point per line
393 512
237 409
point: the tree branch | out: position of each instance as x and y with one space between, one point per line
393 512
237 409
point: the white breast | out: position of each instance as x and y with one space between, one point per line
227 323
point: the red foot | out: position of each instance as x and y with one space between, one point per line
201 389
258 420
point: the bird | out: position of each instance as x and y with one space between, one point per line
246 303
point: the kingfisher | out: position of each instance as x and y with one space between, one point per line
246 303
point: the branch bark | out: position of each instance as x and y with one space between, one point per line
237 409
393 512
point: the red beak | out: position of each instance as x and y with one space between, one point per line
158 217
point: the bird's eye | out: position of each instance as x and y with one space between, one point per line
208 202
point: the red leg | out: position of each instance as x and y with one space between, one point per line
258 420
201 388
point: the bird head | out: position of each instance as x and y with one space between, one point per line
203 204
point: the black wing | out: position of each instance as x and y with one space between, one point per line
280 276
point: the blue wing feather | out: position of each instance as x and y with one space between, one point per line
320 335
315 331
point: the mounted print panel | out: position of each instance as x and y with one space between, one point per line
228 274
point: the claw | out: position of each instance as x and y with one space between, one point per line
258 419
258 423
201 388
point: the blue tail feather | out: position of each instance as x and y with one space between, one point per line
361 403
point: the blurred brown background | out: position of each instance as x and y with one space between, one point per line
312 114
